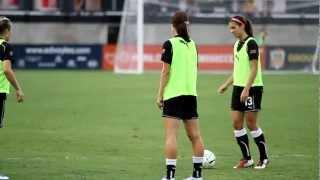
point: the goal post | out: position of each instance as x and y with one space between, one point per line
316 56
129 51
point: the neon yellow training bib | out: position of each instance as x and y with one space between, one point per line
183 69
4 83
241 66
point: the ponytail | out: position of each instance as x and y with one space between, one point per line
248 28
180 22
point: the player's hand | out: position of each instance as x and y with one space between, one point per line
159 102
222 89
19 96
244 95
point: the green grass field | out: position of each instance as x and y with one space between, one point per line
77 125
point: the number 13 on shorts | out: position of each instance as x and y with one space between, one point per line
249 103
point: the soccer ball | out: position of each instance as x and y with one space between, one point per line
209 159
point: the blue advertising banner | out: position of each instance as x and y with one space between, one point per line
289 57
57 56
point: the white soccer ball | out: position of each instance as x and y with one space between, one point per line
209 159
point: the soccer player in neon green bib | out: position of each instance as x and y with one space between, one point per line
7 75
177 95
247 92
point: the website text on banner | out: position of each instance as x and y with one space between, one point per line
57 56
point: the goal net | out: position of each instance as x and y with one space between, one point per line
129 51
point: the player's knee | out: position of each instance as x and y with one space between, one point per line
251 118
252 126
171 139
194 137
237 125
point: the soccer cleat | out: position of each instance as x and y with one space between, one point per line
3 177
193 178
262 164
167 179
244 163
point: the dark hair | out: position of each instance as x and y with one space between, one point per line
179 21
246 22
5 24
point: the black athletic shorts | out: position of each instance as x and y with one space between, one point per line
3 97
253 102
181 107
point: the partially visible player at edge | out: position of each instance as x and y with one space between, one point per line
7 76
177 95
247 92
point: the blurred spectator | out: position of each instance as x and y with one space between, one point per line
235 6
164 5
66 6
93 5
87 5
261 37
279 6
189 6
220 6
249 8
261 6
78 5
268 5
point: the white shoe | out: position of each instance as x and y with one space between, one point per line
3 177
244 164
193 178
262 164
167 179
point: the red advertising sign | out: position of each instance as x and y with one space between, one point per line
46 5
215 57
211 57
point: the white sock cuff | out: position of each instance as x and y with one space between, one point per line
197 159
239 133
171 162
256 133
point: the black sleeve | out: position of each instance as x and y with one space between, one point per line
197 56
166 55
2 49
6 52
253 50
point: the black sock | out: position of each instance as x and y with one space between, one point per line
261 143
197 168
171 169
243 142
